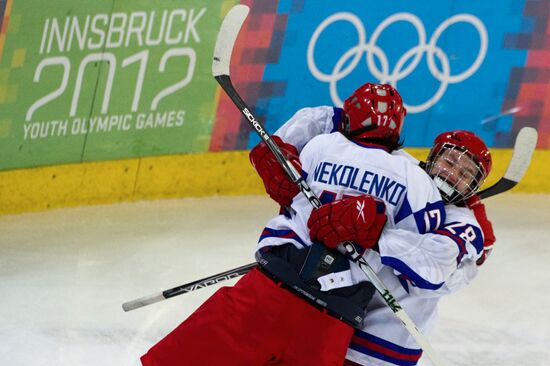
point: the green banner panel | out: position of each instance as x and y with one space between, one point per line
99 80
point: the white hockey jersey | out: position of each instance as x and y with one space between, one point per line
425 251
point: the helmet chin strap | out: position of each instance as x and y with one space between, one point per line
361 130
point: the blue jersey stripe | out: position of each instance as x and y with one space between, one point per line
411 275
404 211
336 119
282 234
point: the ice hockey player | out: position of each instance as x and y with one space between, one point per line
266 319
417 269
458 162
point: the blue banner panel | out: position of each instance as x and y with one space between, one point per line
448 59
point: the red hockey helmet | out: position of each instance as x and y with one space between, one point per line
459 162
374 111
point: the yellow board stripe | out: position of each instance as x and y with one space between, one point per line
187 175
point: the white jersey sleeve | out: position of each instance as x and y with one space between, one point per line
424 260
439 261
422 210
308 123
404 153
466 233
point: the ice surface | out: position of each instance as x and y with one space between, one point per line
65 273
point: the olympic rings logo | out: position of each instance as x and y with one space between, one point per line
399 71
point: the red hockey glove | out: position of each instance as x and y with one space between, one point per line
358 219
276 182
474 203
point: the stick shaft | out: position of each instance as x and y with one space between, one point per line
188 287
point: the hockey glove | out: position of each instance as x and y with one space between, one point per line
474 203
357 219
276 182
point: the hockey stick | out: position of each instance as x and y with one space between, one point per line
524 147
227 36
188 287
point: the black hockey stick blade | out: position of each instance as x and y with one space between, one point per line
188 287
524 147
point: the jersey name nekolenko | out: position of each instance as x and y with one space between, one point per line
361 180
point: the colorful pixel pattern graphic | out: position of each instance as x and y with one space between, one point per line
8 91
259 44
5 6
528 92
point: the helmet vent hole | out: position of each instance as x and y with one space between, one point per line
367 122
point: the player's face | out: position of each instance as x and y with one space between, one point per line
457 168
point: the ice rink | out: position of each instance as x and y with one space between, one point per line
65 273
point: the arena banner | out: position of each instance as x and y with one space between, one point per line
117 79
458 65
88 81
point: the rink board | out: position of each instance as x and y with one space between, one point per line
186 175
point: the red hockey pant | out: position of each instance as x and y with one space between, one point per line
254 323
